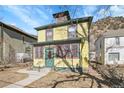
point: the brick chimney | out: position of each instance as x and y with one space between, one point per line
61 16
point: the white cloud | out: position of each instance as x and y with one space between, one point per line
89 10
101 14
112 11
40 15
117 10
24 15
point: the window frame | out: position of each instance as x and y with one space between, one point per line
57 51
117 40
39 51
114 53
70 37
70 53
49 30
69 49
77 50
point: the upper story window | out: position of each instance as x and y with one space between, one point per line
72 31
117 41
49 34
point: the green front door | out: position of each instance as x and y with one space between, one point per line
49 57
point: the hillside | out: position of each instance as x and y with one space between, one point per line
104 25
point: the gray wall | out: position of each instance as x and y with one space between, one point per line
100 50
13 43
111 47
0 46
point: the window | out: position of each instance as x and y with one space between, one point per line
113 56
117 41
49 34
75 50
59 51
39 52
68 50
72 31
63 50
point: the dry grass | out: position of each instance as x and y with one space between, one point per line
68 80
10 76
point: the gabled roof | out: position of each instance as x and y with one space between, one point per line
18 30
111 33
77 20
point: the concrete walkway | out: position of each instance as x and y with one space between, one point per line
33 76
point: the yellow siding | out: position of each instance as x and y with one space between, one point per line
84 46
81 30
60 33
41 36
57 62
85 55
60 63
39 62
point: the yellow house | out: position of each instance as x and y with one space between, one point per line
64 44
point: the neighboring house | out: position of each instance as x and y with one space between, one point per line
92 56
64 43
110 47
14 43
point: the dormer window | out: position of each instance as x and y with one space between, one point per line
72 31
49 34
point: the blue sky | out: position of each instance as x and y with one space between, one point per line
27 17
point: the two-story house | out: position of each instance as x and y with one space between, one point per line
64 44
110 47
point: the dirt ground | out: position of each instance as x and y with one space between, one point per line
69 80
9 76
56 79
